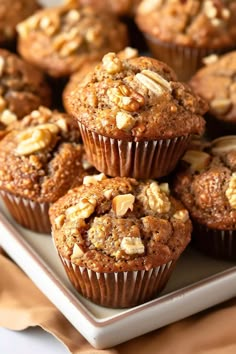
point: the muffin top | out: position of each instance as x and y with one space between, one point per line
61 39
216 84
208 23
121 7
11 13
136 99
41 158
120 224
206 183
22 88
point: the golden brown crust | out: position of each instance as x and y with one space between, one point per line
120 224
136 99
42 158
216 84
209 192
209 23
61 39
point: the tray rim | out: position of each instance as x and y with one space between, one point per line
95 329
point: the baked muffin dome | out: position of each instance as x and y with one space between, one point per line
119 228
61 39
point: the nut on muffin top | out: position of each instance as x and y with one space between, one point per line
120 224
208 23
41 158
206 183
62 38
136 99
216 84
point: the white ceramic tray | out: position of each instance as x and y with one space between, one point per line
197 283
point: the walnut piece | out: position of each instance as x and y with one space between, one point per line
7 117
126 98
210 59
49 24
221 105
128 53
132 245
223 144
35 138
198 160
210 9
157 199
148 6
108 194
154 82
112 64
59 221
181 215
77 252
122 203
81 210
125 121
93 179
231 191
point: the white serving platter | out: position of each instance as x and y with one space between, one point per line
198 282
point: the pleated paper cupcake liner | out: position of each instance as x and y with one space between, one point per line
28 213
144 159
184 60
120 289
215 243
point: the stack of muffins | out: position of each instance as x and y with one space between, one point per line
117 178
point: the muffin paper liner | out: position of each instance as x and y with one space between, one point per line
144 159
30 214
118 289
215 243
184 60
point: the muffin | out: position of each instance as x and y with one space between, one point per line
181 33
216 84
61 39
119 239
78 77
11 13
39 161
206 184
23 88
135 118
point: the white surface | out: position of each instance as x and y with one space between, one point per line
33 340
197 283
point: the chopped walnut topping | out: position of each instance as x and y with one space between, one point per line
223 144
132 245
181 215
82 210
221 105
128 53
164 187
154 82
122 203
2 63
210 59
126 98
7 117
157 199
77 252
210 9
62 124
49 24
112 63
108 194
86 164
198 160
35 138
125 121
148 6
93 179
59 221
231 191
73 16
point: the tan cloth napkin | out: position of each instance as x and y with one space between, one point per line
22 305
